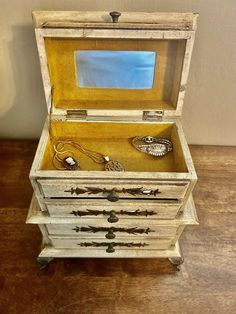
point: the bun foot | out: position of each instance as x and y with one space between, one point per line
44 261
176 261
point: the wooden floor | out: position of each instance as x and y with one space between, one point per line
206 283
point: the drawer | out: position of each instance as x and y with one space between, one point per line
129 229
113 212
112 191
110 246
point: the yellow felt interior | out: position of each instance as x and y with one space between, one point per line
67 94
113 140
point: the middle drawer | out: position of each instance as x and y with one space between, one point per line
154 209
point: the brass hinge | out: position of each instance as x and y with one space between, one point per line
76 114
153 115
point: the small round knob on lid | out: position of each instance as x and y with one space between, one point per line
115 16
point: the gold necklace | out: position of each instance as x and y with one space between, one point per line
69 162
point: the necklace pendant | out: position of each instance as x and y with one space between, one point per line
114 165
70 163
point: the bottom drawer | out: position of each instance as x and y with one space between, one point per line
137 243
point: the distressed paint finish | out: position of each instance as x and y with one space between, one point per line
157 20
124 208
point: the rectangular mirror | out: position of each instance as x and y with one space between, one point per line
115 69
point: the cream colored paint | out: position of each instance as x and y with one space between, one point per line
210 103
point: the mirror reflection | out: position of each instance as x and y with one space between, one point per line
115 69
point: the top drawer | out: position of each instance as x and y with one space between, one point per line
113 191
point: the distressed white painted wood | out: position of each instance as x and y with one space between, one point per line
155 229
44 68
72 19
173 252
187 217
151 190
149 244
185 72
114 33
167 232
156 209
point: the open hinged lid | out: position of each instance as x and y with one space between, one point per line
96 64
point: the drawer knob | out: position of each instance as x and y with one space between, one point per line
110 248
113 196
110 234
115 16
112 218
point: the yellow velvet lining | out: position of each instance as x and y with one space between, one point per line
67 94
113 140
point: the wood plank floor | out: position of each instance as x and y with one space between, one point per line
206 283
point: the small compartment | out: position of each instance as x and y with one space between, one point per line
113 139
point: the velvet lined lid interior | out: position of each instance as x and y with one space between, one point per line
69 95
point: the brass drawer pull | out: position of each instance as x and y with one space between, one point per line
110 248
112 214
111 230
112 218
110 234
112 194
111 245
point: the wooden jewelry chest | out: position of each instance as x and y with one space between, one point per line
139 212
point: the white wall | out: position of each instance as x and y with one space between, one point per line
210 103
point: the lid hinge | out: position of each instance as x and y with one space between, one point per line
76 114
156 115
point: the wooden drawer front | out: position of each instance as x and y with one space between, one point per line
113 212
109 246
113 191
106 231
